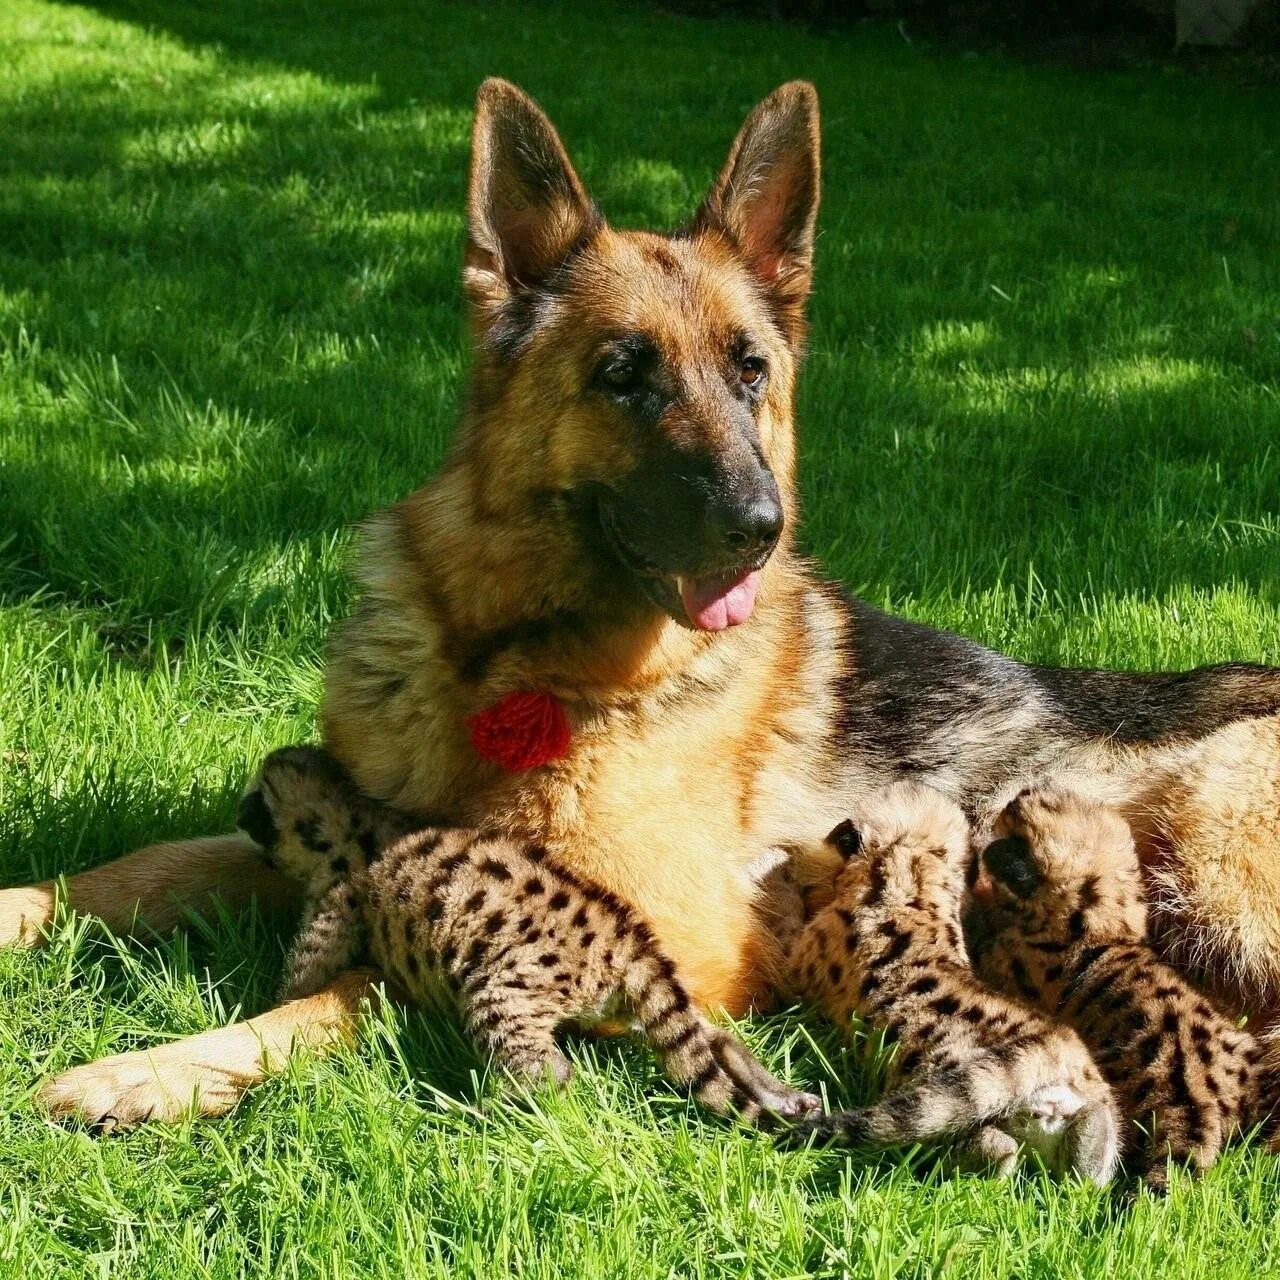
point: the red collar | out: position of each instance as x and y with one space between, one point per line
521 731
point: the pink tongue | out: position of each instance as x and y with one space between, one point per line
715 603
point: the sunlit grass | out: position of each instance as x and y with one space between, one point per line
1040 407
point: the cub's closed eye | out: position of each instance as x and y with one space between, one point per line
846 838
1012 863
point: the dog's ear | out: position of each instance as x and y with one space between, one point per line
527 210
766 197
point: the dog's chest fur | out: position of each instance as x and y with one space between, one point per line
674 797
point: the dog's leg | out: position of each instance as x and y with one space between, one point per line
152 888
207 1073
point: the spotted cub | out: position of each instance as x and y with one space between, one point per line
1060 920
970 1064
520 944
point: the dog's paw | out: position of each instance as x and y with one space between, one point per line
120 1092
24 913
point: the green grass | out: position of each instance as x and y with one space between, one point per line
1040 406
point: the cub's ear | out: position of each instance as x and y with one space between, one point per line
766 198
1011 861
254 818
527 210
845 839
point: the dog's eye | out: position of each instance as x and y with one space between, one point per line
752 371
621 375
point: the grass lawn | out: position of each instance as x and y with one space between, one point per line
1040 407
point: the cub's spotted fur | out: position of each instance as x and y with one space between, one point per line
970 1064
1060 920
522 944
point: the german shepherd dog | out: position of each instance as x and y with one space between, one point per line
614 527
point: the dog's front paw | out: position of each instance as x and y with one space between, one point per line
24 914
131 1088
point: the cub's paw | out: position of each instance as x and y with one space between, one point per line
989 1152
545 1068
784 1104
751 1092
299 791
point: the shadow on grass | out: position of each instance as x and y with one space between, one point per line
104 817
234 314
268 268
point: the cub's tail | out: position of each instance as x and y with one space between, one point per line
942 1107
926 1112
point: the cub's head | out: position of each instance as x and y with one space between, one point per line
303 812
636 389
909 845
1062 868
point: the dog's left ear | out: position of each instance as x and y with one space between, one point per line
766 198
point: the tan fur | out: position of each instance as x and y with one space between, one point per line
607 811
1211 849
153 888
889 950
1066 928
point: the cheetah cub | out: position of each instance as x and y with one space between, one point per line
520 944
1063 923
970 1064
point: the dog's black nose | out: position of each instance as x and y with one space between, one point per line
752 527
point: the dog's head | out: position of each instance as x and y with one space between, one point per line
639 386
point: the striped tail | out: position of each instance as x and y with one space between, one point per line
943 1107
926 1112
717 1068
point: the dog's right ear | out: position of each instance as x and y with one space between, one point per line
527 209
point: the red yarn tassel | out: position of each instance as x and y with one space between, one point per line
521 731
